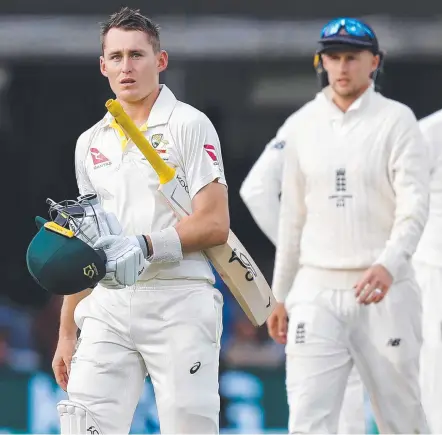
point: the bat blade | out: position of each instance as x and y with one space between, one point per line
243 278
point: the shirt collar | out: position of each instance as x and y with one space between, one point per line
326 94
160 113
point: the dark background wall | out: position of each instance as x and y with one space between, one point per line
281 9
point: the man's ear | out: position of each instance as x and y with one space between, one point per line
103 66
376 62
163 60
324 61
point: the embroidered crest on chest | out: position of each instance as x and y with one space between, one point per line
160 144
158 141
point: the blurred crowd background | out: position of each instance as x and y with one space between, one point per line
247 64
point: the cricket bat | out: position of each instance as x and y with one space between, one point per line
231 260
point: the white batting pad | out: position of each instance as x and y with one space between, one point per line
75 419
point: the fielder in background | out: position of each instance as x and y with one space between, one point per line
354 205
168 324
428 266
261 192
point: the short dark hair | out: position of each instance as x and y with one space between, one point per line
131 19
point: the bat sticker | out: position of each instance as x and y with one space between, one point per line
244 262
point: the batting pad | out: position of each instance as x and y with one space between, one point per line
75 419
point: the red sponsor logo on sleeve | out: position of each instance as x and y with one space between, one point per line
210 149
98 156
99 159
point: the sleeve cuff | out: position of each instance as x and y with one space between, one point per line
204 181
392 261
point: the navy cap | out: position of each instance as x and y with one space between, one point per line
347 34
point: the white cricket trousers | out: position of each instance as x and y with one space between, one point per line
168 330
329 332
352 415
429 279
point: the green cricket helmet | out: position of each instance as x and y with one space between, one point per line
59 261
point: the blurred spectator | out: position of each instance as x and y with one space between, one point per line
4 349
251 347
18 322
15 359
15 325
242 344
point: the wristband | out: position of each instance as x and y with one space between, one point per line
166 245
142 241
148 253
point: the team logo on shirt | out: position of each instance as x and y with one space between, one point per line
99 159
210 149
341 188
157 140
160 146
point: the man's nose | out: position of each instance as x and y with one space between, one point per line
127 64
343 64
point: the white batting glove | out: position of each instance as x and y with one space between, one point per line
125 260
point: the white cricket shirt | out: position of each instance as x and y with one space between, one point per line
355 188
261 189
113 167
429 249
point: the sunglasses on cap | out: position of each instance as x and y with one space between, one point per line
352 26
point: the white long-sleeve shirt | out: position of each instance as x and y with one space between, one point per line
261 189
355 188
429 249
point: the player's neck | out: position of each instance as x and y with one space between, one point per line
344 102
139 112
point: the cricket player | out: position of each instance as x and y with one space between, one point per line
354 204
168 325
428 267
261 192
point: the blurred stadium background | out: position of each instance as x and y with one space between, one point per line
248 65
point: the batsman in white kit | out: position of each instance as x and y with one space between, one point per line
156 313
353 207
427 263
261 191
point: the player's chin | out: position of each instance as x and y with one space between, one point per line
129 95
344 89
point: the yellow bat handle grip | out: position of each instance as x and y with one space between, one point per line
164 171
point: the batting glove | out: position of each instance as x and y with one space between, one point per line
125 260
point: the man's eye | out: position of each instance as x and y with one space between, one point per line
136 55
